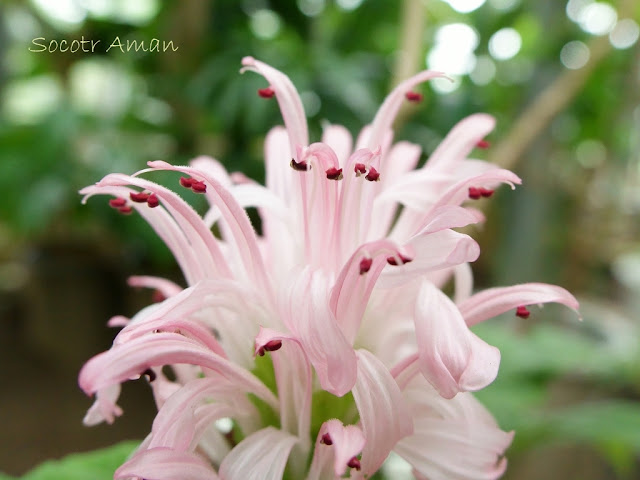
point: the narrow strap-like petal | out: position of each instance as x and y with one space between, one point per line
261 456
236 219
451 357
166 464
384 416
335 446
130 359
340 141
494 301
293 379
164 286
461 140
288 99
389 109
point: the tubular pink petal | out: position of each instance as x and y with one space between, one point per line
351 292
175 425
166 464
451 357
340 141
128 360
237 220
461 140
310 319
494 301
391 105
167 228
290 104
346 442
383 414
459 192
261 456
166 287
433 251
294 381
104 408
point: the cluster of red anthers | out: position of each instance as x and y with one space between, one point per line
195 185
121 205
354 462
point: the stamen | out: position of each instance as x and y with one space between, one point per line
326 439
394 261
373 175
126 210
483 144
299 166
272 345
365 265
360 169
474 193
117 202
153 201
266 92
139 197
334 173
187 182
522 312
157 296
413 96
199 187
354 463
150 374
486 192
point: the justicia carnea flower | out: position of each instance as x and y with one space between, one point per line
325 338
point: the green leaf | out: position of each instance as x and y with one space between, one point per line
95 465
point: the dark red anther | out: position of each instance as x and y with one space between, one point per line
126 210
157 296
299 166
522 312
413 96
365 265
266 92
187 182
117 202
261 351
326 439
394 261
373 175
486 192
150 374
360 169
153 201
354 463
139 197
272 345
483 144
474 193
334 173
199 187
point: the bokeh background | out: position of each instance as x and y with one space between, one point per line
561 77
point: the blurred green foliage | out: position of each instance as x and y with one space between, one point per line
70 118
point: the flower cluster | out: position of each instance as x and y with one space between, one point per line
324 341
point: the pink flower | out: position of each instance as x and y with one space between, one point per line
325 338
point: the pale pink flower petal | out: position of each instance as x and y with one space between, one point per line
290 104
294 381
389 109
166 464
338 445
494 301
131 359
340 141
454 439
383 413
461 140
261 456
104 408
451 357
312 322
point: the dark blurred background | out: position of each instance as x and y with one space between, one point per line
561 77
